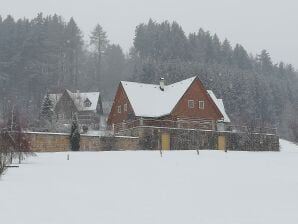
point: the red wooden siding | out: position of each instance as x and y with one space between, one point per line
196 92
120 99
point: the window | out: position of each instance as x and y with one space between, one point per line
201 104
87 103
191 103
61 116
119 109
125 107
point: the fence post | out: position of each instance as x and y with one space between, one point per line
213 125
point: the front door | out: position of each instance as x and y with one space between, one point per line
165 141
221 142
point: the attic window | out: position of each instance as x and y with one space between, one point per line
191 104
87 103
119 109
125 107
201 104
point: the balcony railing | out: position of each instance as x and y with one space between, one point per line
197 124
203 124
251 129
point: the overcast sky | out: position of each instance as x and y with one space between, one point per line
256 24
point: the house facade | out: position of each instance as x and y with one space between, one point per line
86 106
181 101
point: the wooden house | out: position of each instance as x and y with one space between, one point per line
86 105
187 100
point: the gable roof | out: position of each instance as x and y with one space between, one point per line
147 100
79 99
220 106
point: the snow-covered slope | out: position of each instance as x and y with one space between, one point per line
141 187
286 146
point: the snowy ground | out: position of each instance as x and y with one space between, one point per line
141 187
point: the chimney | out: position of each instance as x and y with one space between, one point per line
162 84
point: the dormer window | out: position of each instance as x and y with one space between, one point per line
87 103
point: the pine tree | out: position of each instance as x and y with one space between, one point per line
226 52
47 110
241 58
99 41
75 135
265 61
73 44
113 68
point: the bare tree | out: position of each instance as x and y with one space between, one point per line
14 143
6 150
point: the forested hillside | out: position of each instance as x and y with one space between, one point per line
50 54
253 87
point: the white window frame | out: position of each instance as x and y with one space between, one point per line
191 104
125 107
119 109
201 104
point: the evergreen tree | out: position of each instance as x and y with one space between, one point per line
47 110
226 52
99 41
241 58
113 67
73 49
216 49
265 61
75 135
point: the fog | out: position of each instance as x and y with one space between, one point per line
256 24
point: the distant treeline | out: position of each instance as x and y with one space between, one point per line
49 54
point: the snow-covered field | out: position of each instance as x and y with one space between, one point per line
141 187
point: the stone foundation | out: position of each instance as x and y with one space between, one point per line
190 139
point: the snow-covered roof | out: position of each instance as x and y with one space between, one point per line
148 100
79 99
220 105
